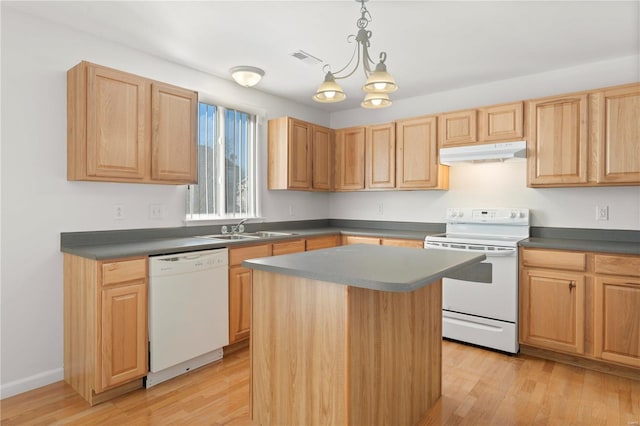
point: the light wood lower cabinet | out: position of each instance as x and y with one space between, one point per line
357 239
240 280
581 303
105 326
552 310
288 247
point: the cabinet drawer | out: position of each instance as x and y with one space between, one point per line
322 242
237 255
355 239
288 247
122 271
617 265
554 259
399 242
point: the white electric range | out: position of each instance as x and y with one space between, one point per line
483 313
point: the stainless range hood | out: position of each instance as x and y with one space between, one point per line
482 153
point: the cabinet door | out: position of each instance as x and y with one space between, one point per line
299 154
457 128
552 310
557 141
416 154
615 116
350 146
123 341
174 145
239 303
617 320
501 122
322 158
380 166
117 129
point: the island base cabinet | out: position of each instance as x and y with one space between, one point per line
326 353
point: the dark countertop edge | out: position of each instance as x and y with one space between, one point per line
582 245
263 264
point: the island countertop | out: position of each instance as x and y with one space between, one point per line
385 268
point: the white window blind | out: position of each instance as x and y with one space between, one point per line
226 165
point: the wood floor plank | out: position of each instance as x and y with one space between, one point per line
479 387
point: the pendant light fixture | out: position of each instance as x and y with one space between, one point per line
379 82
246 76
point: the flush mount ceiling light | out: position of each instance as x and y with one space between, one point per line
379 82
246 76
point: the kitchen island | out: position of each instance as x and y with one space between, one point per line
348 335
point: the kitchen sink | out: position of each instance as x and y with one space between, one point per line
247 235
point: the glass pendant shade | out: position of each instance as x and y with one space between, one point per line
329 91
380 81
246 76
376 100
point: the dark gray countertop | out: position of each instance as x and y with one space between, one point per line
158 246
396 269
622 247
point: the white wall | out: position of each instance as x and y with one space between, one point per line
498 185
38 202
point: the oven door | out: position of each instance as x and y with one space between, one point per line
497 299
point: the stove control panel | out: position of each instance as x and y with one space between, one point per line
514 216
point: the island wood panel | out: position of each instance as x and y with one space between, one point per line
353 356
298 351
394 354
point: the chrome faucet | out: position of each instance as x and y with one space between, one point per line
239 227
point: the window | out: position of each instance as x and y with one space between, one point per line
226 165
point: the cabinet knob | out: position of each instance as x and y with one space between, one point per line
571 285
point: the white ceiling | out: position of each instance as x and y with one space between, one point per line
431 45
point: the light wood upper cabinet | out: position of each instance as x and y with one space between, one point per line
349 151
289 151
557 140
417 155
380 152
457 128
125 128
300 155
615 123
174 141
503 122
322 158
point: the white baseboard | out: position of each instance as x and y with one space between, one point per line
30 383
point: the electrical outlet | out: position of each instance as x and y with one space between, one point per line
380 209
156 211
118 212
602 212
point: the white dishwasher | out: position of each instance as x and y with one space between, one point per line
188 312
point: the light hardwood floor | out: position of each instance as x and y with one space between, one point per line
479 387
